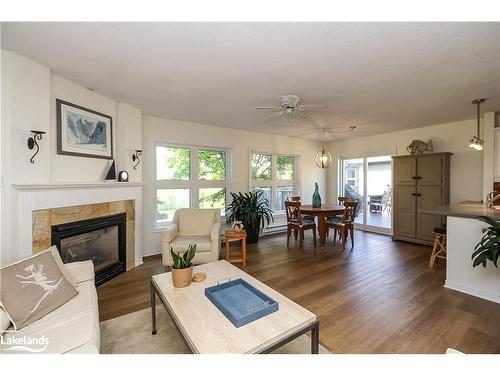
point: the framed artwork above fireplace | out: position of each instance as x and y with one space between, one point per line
83 132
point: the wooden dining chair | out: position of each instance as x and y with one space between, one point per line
341 201
296 222
296 198
344 226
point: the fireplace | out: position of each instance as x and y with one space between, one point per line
102 240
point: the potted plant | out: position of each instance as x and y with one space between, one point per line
253 210
182 269
488 249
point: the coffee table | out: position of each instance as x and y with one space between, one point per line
206 330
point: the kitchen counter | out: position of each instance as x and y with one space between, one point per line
464 231
468 209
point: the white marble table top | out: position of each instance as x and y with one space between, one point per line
207 330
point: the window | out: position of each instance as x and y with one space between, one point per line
275 175
172 163
189 176
351 177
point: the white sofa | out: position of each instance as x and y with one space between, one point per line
71 328
200 226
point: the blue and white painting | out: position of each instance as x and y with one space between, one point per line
83 132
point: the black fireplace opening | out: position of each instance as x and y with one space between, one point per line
102 240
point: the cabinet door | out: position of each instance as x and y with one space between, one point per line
404 171
497 154
404 204
428 197
430 170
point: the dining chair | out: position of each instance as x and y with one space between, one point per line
341 201
296 198
296 222
386 201
344 226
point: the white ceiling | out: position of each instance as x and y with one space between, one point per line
378 76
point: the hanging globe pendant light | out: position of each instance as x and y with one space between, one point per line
323 157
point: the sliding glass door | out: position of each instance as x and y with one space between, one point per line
368 181
353 185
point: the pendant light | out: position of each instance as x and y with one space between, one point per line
323 157
476 142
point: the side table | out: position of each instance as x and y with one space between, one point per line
232 235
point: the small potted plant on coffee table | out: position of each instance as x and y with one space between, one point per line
182 269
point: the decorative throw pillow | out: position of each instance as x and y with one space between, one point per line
4 321
33 287
62 267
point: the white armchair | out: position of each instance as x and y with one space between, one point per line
200 226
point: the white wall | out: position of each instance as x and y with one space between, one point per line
129 139
239 141
28 98
466 163
25 106
67 168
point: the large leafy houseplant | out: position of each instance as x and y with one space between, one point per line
488 249
252 209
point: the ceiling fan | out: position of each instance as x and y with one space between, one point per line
290 107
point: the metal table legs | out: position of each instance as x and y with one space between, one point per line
313 327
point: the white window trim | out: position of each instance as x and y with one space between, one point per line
193 184
274 183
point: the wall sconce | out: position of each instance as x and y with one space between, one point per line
135 158
32 142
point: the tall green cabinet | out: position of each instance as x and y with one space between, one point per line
419 182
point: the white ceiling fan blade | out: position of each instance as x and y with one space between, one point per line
274 115
267 107
299 114
312 107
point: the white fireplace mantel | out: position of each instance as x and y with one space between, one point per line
75 185
38 196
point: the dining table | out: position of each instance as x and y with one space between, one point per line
322 212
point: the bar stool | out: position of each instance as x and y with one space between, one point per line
439 248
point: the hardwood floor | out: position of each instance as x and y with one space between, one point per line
378 298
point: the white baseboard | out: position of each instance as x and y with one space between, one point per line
150 252
490 296
138 262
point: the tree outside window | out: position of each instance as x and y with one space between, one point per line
275 176
175 187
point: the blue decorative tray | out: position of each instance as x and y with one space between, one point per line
241 302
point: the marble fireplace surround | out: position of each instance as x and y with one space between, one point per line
42 221
42 205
